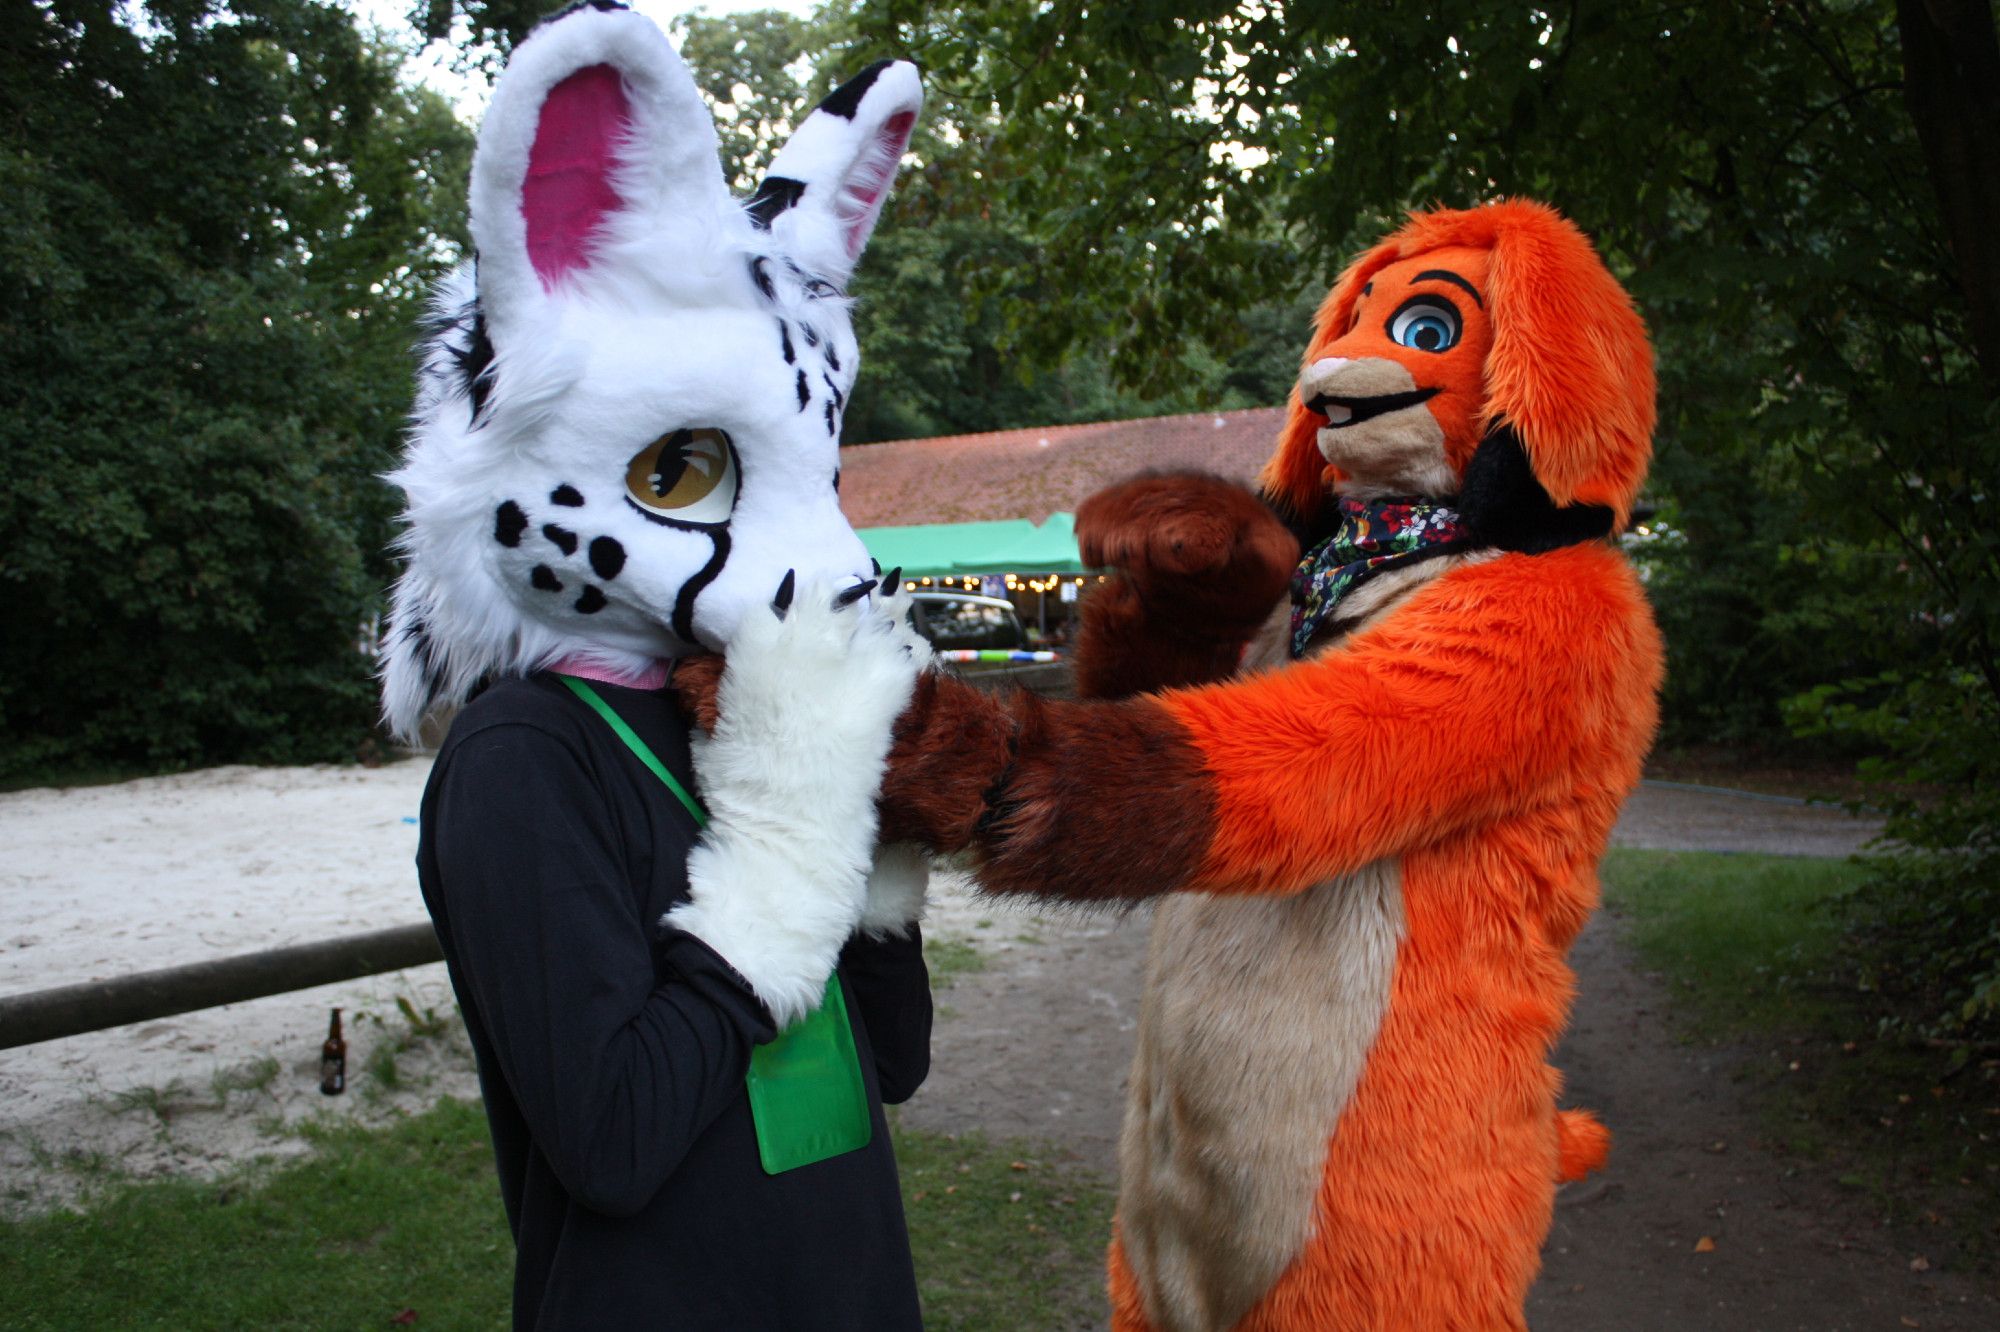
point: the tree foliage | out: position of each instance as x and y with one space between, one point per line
1802 195
219 221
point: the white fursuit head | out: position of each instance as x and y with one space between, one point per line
625 442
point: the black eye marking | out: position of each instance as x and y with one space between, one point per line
607 557
774 195
845 100
591 602
762 278
839 398
545 579
563 539
819 289
508 523
805 391
785 342
567 496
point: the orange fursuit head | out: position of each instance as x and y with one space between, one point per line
1372 847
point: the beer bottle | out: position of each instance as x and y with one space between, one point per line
333 1059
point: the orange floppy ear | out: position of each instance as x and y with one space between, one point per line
1571 369
1295 475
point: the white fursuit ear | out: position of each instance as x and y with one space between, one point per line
827 185
595 125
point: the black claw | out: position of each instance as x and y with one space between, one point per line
874 566
853 594
892 582
782 602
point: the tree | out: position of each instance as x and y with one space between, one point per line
220 223
1800 193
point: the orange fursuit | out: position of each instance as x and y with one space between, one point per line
1372 848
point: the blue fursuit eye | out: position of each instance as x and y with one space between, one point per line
1426 324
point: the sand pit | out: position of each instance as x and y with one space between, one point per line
98 882
103 881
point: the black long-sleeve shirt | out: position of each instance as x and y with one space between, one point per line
612 1054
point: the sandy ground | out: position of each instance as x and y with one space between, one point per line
98 882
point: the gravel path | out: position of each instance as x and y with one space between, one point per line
1036 1045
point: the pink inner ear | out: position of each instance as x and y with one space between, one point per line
568 190
874 173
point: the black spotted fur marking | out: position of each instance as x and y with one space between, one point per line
417 634
508 523
832 356
831 427
785 342
475 358
591 601
812 334
774 195
566 495
805 392
845 100
561 538
544 579
760 274
839 398
607 557
836 480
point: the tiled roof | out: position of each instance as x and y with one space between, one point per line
1033 473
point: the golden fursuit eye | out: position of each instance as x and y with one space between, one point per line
685 476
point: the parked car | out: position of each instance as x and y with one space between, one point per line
967 620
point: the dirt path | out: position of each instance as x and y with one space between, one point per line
1036 1045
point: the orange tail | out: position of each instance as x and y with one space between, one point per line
1581 1145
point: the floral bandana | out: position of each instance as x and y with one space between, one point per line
1372 536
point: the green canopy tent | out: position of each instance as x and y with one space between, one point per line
956 550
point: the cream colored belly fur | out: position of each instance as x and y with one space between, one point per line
1257 1018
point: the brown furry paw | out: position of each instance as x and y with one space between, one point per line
697 681
1199 539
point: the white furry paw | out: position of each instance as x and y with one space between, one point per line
807 698
897 883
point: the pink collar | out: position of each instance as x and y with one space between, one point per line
653 676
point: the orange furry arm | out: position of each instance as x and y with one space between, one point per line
1524 681
1520 681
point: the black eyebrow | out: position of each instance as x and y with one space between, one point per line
1443 276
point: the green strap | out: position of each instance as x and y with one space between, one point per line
632 742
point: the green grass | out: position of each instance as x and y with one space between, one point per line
377 1221
1742 938
1005 1237
1751 947
372 1223
949 958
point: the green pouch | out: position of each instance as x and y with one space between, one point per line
806 1093
807 1098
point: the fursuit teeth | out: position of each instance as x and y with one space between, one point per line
783 874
